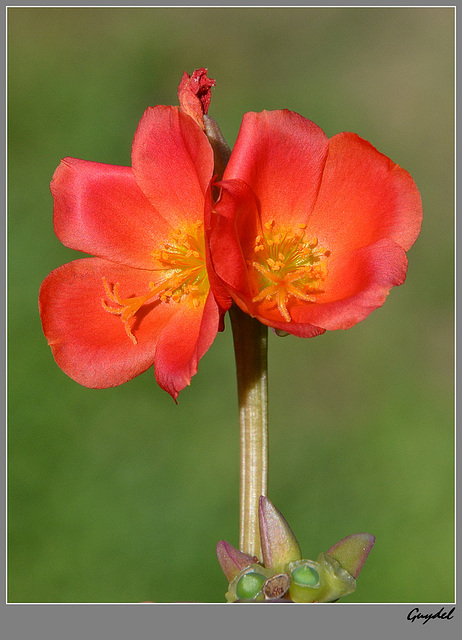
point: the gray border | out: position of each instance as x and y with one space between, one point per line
223 622
122 621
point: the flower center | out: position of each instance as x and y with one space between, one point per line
288 265
180 262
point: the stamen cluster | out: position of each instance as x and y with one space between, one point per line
288 265
183 276
183 259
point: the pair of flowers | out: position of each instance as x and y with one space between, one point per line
304 233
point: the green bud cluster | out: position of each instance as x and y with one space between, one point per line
304 581
283 574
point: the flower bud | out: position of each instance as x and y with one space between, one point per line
194 93
352 551
278 543
231 560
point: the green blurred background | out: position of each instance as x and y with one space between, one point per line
119 495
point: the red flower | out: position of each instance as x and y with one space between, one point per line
310 233
145 299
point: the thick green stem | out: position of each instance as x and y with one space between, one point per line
251 349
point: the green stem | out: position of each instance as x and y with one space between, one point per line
251 352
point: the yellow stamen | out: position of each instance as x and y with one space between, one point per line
180 265
287 266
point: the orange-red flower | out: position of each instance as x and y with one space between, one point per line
311 233
145 298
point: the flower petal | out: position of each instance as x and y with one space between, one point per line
364 197
358 283
281 156
182 343
234 226
217 287
99 209
91 345
173 163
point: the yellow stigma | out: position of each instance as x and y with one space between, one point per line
180 263
287 265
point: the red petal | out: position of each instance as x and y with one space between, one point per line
357 284
364 197
234 227
217 287
91 345
281 156
183 342
304 330
173 163
99 209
